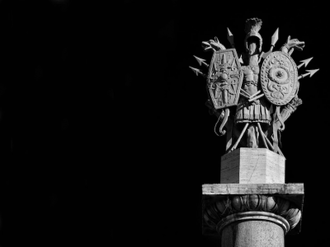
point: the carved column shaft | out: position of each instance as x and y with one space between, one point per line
254 229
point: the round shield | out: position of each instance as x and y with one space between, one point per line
279 78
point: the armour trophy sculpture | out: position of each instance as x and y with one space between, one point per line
252 95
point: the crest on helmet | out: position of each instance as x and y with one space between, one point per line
279 78
224 78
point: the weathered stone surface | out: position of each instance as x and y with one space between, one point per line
221 201
252 205
243 189
252 233
252 97
252 165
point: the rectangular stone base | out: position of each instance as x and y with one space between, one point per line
252 165
292 194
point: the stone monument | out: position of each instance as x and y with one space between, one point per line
252 95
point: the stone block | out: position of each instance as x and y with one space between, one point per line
251 166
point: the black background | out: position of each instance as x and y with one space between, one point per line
105 136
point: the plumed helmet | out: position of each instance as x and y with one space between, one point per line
252 27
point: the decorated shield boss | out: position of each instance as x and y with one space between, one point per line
224 79
279 77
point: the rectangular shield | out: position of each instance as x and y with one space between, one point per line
224 79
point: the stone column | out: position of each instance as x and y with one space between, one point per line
254 208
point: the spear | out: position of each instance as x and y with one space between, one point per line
304 62
197 71
233 65
207 46
230 38
310 73
240 59
291 51
274 40
201 61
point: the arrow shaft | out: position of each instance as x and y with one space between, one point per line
291 51
302 76
205 64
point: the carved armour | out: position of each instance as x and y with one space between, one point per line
257 111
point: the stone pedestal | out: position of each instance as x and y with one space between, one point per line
254 207
252 165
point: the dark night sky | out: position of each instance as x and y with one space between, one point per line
105 135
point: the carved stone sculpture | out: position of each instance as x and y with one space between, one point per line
252 95
253 215
217 213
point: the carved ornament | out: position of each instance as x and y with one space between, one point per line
279 78
225 78
217 213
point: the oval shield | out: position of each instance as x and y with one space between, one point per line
279 78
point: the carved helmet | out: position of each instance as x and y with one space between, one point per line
252 27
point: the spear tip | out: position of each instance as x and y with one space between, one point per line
196 71
274 37
240 59
229 33
312 72
200 61
230 37
306 61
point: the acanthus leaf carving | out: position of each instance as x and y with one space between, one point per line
229 205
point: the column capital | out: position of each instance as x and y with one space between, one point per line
219 210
